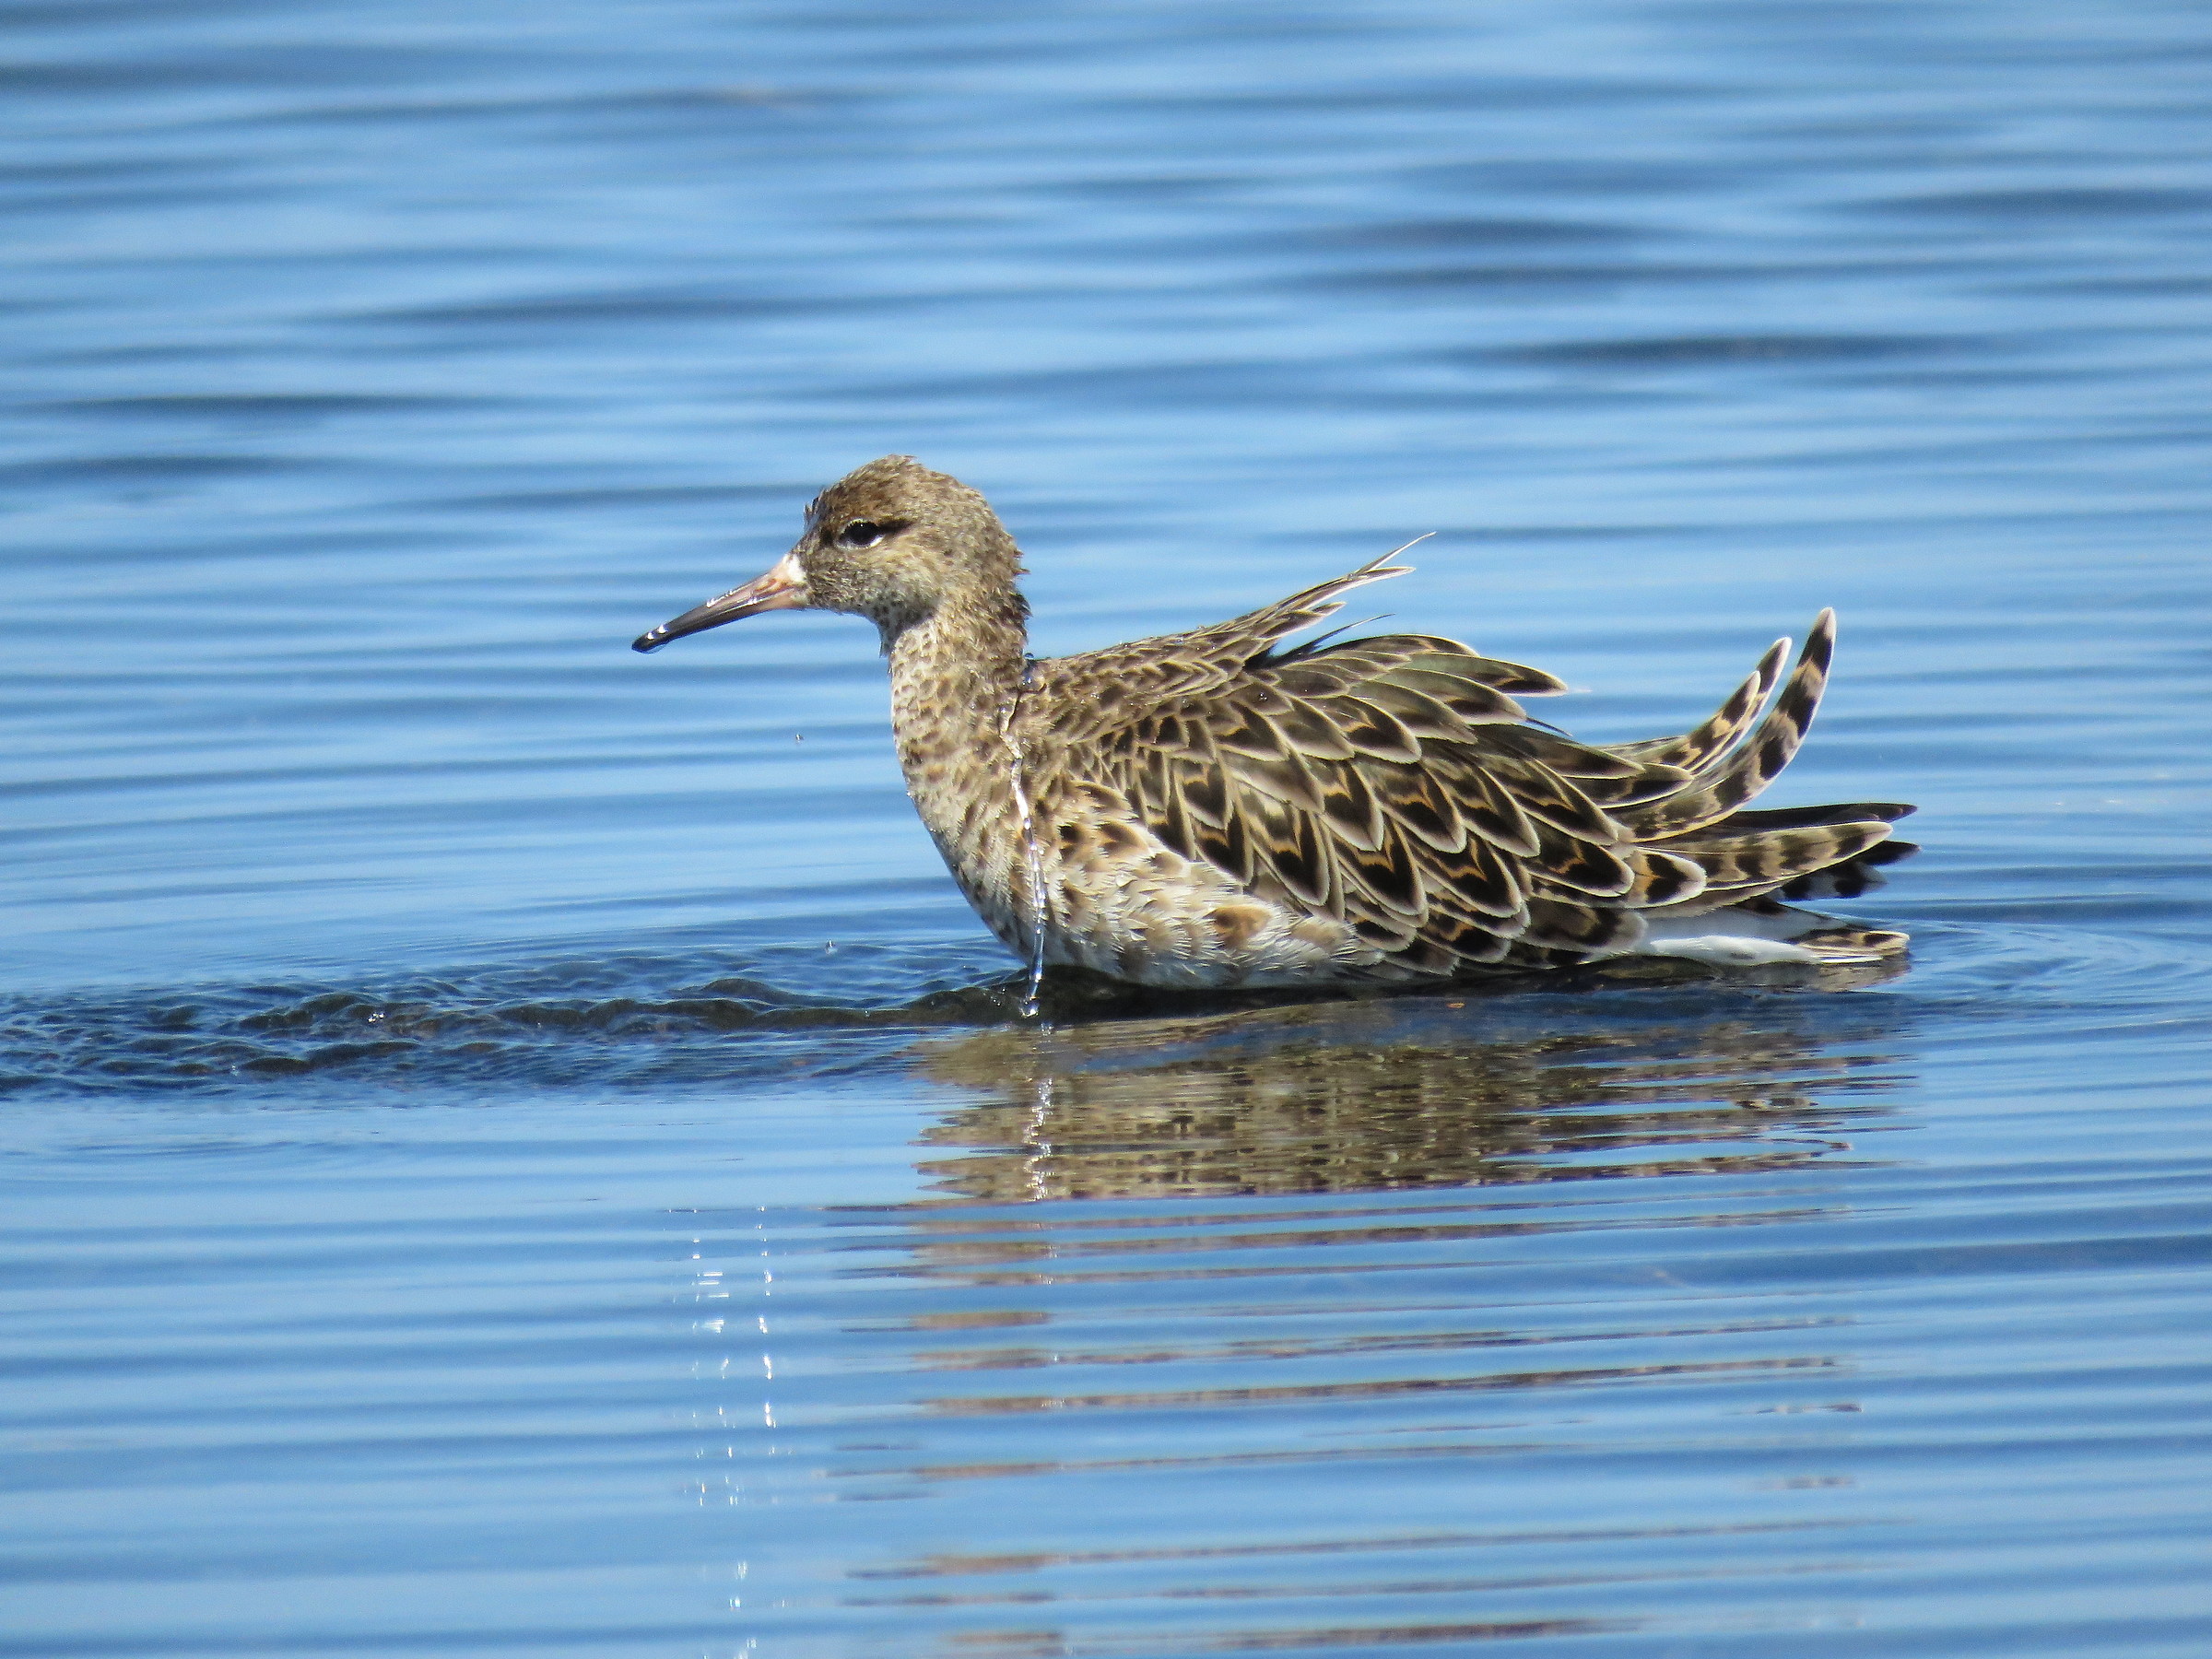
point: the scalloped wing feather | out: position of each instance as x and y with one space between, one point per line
1394 785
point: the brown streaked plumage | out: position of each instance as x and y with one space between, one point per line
1212 809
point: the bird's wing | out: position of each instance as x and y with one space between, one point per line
1395 784
1111 689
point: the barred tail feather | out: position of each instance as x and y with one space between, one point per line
1696 751
1761 757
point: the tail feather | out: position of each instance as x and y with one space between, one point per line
1696 750
1761 930
1800 818
1851 876
1757 761
1769 858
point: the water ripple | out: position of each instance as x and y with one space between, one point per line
515 1148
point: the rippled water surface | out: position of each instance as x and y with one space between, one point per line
512 1147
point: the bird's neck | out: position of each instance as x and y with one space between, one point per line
955 675
956 668
955 683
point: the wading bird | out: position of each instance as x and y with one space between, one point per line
1212 809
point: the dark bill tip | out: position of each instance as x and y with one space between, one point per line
782 588
698 620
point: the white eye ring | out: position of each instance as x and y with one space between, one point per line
862 532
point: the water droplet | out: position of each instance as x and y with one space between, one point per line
1033 851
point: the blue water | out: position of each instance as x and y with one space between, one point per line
514 1146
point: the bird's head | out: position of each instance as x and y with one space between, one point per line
892 541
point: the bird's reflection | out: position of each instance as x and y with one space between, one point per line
1404 1093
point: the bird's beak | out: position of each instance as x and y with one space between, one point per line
782 587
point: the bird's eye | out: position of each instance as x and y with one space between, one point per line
862 532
